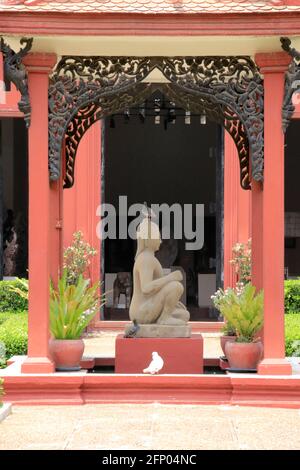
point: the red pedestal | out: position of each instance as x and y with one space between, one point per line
180 355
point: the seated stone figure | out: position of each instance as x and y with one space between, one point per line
155 299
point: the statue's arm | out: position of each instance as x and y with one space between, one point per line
150 286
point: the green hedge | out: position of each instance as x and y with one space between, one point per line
13 333
10 300
292 335
292 296
3 316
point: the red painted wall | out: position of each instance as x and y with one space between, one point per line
9 103
237 208
81 201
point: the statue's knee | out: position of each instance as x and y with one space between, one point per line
186 316
178 288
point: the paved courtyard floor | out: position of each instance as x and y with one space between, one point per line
149 426
152 426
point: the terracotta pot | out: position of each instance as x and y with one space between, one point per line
224 339
66 353
243 356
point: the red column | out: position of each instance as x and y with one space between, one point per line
271 202
38 361
236 208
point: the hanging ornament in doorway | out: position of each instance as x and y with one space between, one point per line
187 119
157 111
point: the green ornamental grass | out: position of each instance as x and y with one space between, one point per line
244 311
72 307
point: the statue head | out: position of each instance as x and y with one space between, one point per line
148 236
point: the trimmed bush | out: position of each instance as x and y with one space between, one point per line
292 334
292 296
13 333
10 300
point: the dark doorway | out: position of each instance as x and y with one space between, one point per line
14 197
292 201
159 153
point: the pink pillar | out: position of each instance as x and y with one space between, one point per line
236 208
271 202
40 229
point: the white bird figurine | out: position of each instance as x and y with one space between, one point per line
155 365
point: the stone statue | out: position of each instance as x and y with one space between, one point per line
155 306
9 255
122 285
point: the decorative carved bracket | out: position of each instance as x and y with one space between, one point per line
15 72
228 89
292 82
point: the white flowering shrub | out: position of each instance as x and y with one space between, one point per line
77 258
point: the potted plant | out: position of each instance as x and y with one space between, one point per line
241 261
243 310
229 333
73 304
72 307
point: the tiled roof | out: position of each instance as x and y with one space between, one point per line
150 7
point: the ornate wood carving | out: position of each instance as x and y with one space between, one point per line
85 117
222 115
84 89
292 82
15 72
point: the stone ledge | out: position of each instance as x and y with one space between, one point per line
160 331
229 389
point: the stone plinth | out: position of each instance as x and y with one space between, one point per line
180 355
160 331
